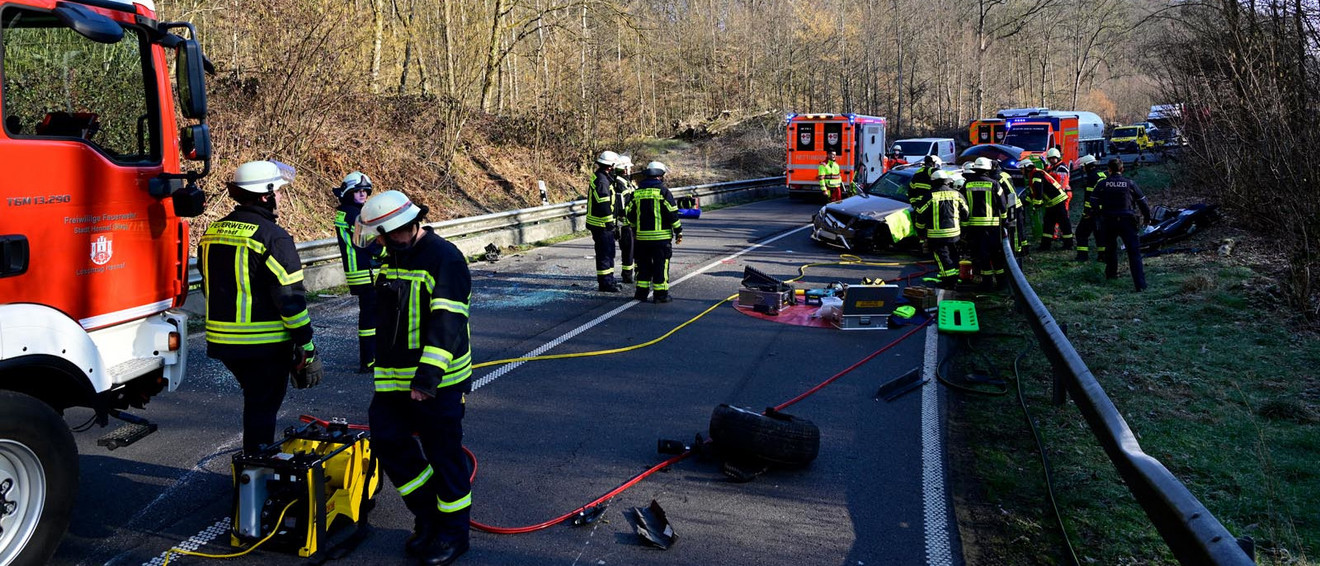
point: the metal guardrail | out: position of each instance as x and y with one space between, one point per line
514 227
1192 533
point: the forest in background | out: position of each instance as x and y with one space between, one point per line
468 102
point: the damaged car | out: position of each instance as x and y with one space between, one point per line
878 218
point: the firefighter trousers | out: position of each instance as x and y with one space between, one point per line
653 267
430 469
945 252
604 243
366 295
1056 217
987 252
1086 227
1112 229
264 382
627 240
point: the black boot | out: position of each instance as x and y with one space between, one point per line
641 294
1082 256
421 535
606 284
662 297
1045 245
442 553
627 276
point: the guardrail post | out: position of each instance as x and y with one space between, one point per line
545 198
1060 391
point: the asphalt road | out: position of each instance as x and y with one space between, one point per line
551 436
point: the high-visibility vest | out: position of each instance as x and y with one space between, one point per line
829 175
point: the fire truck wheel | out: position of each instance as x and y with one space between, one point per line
38 479
773 437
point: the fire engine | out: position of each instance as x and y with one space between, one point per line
1073 133
94 246
857 140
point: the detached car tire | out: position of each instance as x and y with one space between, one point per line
38 480
774 437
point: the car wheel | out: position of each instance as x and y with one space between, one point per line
38 479
773 437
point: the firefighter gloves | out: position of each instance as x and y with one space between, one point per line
307 369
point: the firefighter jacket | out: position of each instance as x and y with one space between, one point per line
985 201
1119 196
944 213
1011 200
828 173
653 212
919 193
623 196
1061 174
358 262
1044 189
422 333
600 199
253 281
1090 180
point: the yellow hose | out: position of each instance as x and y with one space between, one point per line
278 522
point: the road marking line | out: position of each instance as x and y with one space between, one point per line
938 551
196 541
506 368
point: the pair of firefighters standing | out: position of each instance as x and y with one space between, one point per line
413 331
641 218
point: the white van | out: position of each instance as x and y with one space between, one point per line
917 148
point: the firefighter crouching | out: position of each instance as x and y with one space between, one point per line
943 213
423 373
256 312
1091 176
359 263
624 234
831 182
600 220
654 215
986 216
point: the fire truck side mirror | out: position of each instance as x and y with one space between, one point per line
188 75
195 142
89 24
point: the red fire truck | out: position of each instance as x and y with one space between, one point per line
93 244
859 142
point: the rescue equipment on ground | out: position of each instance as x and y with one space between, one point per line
689 207
867 307
958 317
324 474
763 293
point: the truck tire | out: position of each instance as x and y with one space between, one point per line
38 480
772 437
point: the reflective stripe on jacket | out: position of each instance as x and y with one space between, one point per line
357 262
653 212
944 213
828 173
423 339
600 199
986 205
253 282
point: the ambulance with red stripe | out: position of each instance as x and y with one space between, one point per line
857 140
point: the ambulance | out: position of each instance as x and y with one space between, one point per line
858 141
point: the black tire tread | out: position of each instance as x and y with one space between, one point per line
780 438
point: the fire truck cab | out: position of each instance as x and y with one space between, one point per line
858 141
94 241
1037 130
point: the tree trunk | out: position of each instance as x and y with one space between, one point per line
378 21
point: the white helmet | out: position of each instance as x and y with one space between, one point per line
968 167
1086 160
607 158
934 160
940 175
384 213
261 177
1053 153
655 169
959 181
354 181
623 162
982 164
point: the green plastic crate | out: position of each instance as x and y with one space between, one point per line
958 317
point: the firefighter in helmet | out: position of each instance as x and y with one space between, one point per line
1091 176
600 220
943 213
359 263
257 323
654 215
423 373
624 234
987 215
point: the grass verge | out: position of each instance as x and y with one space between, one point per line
1217 383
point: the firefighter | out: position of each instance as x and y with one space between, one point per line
654 214
423 373
895 158
1049 196
1115 201
359 263
1091 176
1015 219
986 217
831 183
943 214
919 192
623 194
256 312
600 220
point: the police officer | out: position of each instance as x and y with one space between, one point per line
1091 176
831 182
943 213
623 194
256 313
654 214
1116 200
359 263
422 375
986 216
1049 197
600 220
919 192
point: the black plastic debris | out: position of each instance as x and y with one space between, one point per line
492 252
653 526
1169 225
900 386
590 515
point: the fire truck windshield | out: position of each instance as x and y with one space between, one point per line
1033 137
60 84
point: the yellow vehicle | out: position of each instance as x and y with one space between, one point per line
1128 139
